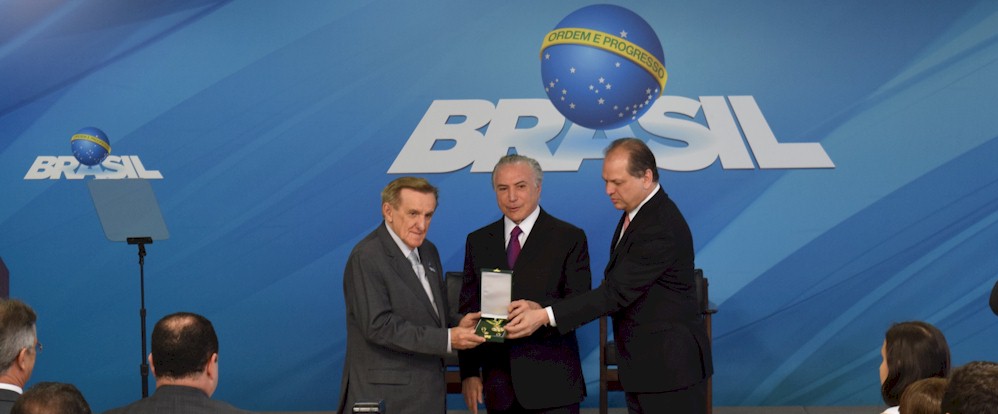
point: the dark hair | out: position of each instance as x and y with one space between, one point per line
17 330
639 157
182 344
914 350
392 191
51 398
923 396
973 389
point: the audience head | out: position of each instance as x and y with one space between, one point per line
923 396
185 352
51 398
973 389
18 342
911 351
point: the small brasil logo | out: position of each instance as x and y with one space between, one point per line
90 146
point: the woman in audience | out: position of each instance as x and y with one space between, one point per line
924 396
912 351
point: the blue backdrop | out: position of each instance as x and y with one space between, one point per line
274 125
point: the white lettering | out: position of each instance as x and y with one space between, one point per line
680 142
418 155
142 172
770 153
43 168
503 132
114 167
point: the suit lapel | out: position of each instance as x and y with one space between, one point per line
496 249
637 224
614 244
406 274
536 240
433 276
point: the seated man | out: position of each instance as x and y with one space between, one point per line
972 389
184 361
18 350
51 398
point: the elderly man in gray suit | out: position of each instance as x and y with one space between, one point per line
397 315
184 361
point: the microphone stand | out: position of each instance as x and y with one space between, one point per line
144 366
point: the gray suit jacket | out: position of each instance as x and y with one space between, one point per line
175 399
395 340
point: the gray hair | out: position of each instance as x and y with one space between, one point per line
17 331
517 158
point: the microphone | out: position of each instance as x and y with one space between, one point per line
994 299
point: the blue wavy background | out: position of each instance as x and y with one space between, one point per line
274 123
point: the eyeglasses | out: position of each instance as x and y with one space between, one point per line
38 347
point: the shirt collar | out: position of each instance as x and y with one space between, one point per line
398 242
525 226
631 214
11 387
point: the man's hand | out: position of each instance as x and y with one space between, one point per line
519 306
471 387
470 320
464 338
526 323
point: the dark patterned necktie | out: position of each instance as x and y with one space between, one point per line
513 250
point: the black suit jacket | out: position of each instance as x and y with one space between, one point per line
7 398
177 399
649 291
544 368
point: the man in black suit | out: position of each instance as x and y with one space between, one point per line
18 349
184 361
396 313
648 289
540 373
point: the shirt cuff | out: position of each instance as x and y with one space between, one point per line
551 321
449 350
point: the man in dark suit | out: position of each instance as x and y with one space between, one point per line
540 373
18 349
184 361
648 289
396 312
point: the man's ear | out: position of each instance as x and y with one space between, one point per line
386 211
152 367
211 368
22 359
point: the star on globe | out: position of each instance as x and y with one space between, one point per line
602 66
90 146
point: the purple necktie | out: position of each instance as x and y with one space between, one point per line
513 250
